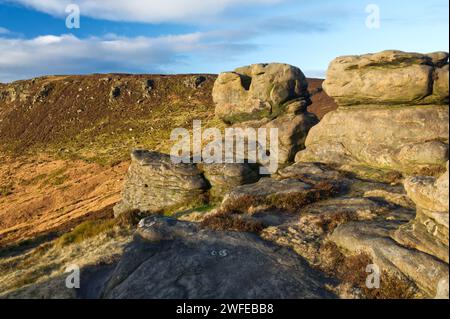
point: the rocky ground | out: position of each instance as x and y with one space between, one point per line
362 184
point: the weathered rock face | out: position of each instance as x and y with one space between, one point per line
429 193
155 184
258 91
389 77
405 139
208 264
400 245
393 113
392 116
360 222
292 132
428 232
267 96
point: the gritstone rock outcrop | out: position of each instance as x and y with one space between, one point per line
393 113
267 95
155 184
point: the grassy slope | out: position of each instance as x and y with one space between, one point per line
78 119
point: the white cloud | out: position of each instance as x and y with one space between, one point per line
67 54
152 11
4 31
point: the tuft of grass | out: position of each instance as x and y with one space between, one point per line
391 287
33 181
6 190
382 175
56 178
352 269
23 246
201 200
435 171
205 208
93 228
329 222
31 277
85 231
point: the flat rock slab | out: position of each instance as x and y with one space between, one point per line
171 259
311 172
422 235
356 208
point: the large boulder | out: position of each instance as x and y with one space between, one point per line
401 138
170 259
155 184
440 86
258 91
267 96
388 77
392 115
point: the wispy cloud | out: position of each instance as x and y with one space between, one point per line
150 11
4 31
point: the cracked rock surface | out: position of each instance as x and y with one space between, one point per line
175 259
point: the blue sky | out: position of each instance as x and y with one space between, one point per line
207 36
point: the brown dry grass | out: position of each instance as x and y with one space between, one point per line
352 270
231 222
54 195
288 202
436 171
